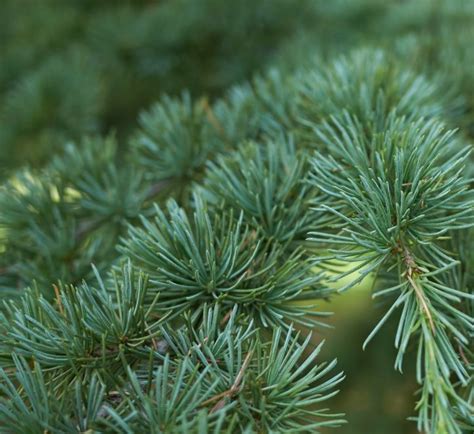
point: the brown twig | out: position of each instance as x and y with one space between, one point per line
226 318
412 271
58 299
234 389
421 297
463 355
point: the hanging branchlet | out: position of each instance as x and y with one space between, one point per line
462 276
395 201
402 189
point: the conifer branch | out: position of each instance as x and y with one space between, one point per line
215 228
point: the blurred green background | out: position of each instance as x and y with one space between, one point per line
74 67
375 397
69 68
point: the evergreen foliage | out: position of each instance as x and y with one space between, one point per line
217 227
393 214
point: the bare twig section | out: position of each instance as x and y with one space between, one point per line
57 295
226 318
411 274
463 355
235 388
422 299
